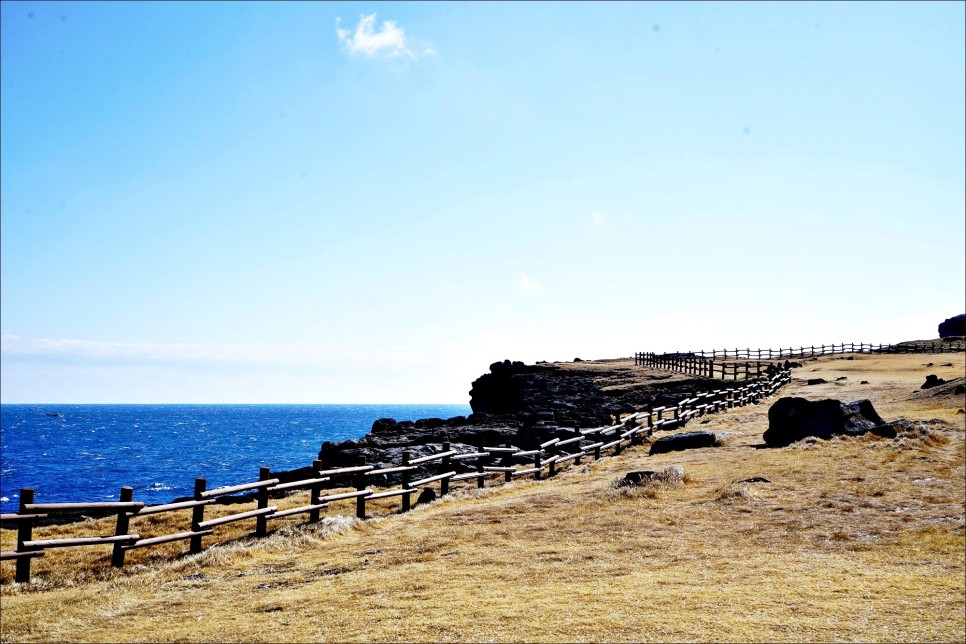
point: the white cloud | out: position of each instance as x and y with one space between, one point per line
597 218
388 40
527 285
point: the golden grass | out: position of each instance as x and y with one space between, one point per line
858 539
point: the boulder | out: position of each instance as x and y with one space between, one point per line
430 423
428 495
891 430
791 419
932 380
633 479
953 327
685 440
382 425
673 475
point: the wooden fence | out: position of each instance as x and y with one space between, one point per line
452 467
701 362
695 365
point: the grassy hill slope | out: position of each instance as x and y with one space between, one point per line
858 539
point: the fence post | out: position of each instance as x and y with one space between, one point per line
316 493
508 476
117 556
444 467
480 462
406 455
25 530
636 438
361 485
577 433
197 516
261 521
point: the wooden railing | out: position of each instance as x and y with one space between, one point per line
547 459
695 365
808 352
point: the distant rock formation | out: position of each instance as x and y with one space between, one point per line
566 398
953 327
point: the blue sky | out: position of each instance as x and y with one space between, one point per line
371 202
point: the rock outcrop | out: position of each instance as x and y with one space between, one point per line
568 398
792 419
520 404
953 327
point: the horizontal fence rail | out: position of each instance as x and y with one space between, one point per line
543 462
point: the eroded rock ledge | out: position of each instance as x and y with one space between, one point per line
523 405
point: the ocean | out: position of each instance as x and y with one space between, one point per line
84 453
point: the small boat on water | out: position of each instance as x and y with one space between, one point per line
55 414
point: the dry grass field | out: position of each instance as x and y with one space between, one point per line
857 539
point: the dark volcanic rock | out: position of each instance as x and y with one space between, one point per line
428 495
932 380
567 398
891 430
953 327
382 425
792 419
632 479
686 440
513 404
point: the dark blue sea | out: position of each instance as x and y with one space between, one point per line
83 453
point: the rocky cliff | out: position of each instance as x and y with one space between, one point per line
523 405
